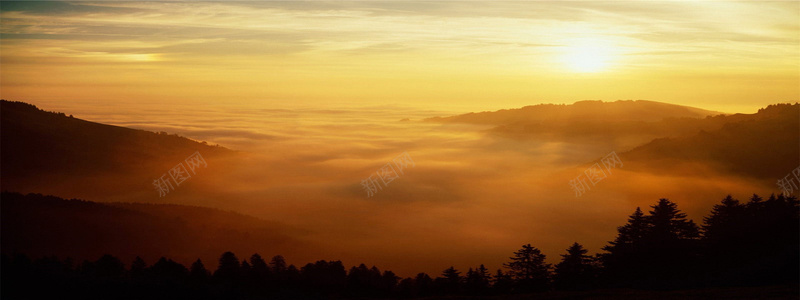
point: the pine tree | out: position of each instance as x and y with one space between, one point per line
576 270
278 264
478 280
229 267
502 282
137 271
450 282
198 273
259 270
669 223
529 270
723 223
424 284
630 235
658 250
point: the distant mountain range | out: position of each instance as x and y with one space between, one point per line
581 111
764 145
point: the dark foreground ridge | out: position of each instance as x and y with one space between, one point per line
742 251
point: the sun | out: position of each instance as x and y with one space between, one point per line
588 56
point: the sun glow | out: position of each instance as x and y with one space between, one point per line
588 56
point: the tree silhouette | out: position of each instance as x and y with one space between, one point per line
725 220
478 281
529 270
137 271
576 271
278 264
503 283
741 245
260 270
667 223
364 282
664 241
449 282
168 272
229 267
325 278
198 274
753 243
424 284
107 267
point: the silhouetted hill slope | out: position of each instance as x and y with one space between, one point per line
600 126
763 145
624 110
47 225
54 153
34 140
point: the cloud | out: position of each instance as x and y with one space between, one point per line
49 8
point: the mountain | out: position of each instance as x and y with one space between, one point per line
763 145
624 110
603 126
54 153
40 225
656 137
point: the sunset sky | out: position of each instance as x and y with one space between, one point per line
460 55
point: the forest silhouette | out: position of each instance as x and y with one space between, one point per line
751 243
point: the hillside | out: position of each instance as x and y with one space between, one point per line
40 225
625 110
54 153
763 145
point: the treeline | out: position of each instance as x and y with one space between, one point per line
738 244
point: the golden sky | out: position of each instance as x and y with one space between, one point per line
462 55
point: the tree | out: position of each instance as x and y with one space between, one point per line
168 272
667 223
107 267
389 282
424 284
259 267
137 270
725 220
659 250
477 281
323 277
754 243
198 273
278 264
364 282
576 270
449 282
631 234
503 283
229 267
529 270
624 259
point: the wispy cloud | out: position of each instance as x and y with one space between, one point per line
453 50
